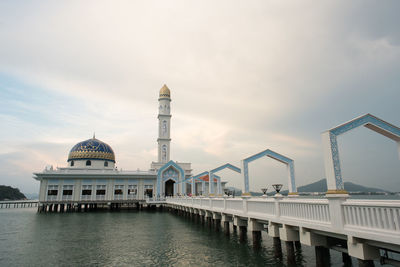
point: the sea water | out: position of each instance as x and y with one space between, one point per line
130 238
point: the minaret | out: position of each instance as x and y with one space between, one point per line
164 125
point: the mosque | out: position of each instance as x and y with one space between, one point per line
91 175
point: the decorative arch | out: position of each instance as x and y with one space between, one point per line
196 177
331 151
212 176
164 168
269 153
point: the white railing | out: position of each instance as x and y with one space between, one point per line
378 215
312 210
131 196
370 219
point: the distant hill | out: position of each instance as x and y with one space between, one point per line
320 186
10 193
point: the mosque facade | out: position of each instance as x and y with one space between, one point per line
91 175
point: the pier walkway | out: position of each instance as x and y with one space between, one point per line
18 204
359 228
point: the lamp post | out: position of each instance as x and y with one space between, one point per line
277 188
226 192
264 190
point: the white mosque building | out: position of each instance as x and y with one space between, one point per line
92 177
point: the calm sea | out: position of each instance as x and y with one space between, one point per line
129 238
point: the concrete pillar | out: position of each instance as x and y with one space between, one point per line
256 228
226 228
242 228
277 247
297 244
217 224
291 257
242 233
356 248
365 263
217 221
256 239
322 256
346 259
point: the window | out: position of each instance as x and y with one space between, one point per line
101 190
72 163
148 191
132 190
88 163
106 164
67 192
118 192
86 192
52 192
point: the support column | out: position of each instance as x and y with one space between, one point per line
277 247
297 244
255 228
217 221
226 219
346 259
365 263
242 228
242 233
226 228
291 257
363 252
322 256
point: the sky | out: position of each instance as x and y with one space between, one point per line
244 76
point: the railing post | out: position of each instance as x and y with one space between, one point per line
277 206
245 198
336 212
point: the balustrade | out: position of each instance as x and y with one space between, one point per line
375 219
377 215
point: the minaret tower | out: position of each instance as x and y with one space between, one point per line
164 125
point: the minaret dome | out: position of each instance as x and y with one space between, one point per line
165 92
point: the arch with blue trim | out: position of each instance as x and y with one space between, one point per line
177 175
269 153
331 151
203 183
212 176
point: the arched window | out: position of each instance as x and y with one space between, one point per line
88 163
164 152
72 163
105 163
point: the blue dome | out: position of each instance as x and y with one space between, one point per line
91 149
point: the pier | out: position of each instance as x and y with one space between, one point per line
357 228
6 204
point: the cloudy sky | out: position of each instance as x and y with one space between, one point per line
244 76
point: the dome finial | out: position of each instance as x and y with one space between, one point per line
94 135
